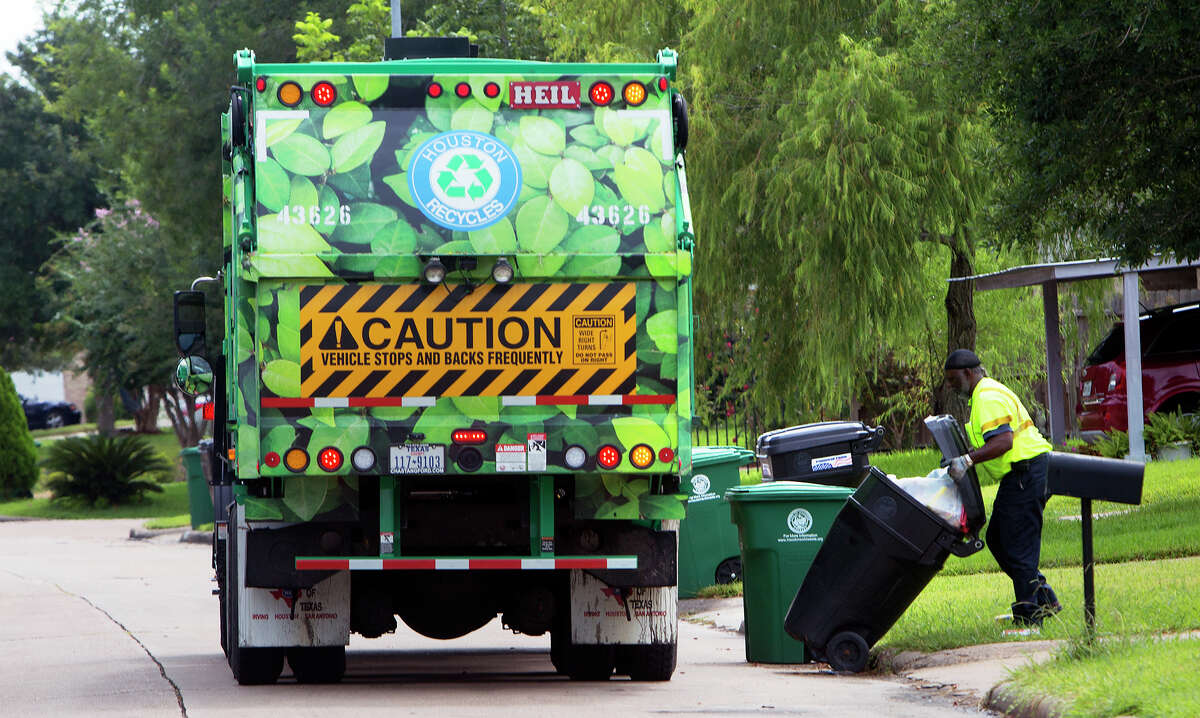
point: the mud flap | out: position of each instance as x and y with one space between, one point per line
283 617
604 615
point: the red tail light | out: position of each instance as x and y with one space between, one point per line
608 456
324 93
330 459
666 454
271 459
462 89
209 412
434 90
601 93
491 89
468 436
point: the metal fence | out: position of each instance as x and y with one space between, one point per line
739 429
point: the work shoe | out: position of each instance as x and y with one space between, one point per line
1026 614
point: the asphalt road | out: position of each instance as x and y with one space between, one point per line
94 624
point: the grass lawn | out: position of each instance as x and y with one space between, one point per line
1150 677
172 501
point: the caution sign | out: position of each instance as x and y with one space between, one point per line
388 340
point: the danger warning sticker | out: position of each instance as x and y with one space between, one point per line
386 340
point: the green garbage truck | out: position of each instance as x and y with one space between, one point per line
455 376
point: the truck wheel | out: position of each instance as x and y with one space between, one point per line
580 662
250 666
219 560
847 652
318 664
653 662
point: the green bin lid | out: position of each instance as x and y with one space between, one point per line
788 491
709 455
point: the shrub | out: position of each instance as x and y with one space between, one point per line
1113 445
1166 428
108 468
18 457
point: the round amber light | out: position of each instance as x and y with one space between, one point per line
296 459
641 456
635 94
290 94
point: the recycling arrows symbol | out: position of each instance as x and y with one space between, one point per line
476 182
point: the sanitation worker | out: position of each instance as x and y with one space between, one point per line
1009 449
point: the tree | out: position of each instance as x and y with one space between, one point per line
18 457
839 151
616 30
47 185
1094 104
126 327
501 28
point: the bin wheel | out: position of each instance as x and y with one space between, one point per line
847 652
729 570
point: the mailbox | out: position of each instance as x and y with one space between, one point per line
1094 477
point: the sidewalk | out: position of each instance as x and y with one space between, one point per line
971 674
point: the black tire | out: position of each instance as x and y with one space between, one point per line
250 666
729 570
653 662
580 662
318 664
679 114
847 652
219 560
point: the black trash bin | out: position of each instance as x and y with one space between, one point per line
882 550
831 452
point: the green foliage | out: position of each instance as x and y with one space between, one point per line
1094 110
1166 428
97 468
612 30
46 186
841 153
18 458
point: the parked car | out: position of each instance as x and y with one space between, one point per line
1170 370
50 414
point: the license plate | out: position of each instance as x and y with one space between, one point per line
1087 388
419 459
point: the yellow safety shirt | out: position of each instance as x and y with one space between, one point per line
995 408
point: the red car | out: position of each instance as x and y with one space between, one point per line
1170 370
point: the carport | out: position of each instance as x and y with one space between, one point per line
1156 274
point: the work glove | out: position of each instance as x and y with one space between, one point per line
959 465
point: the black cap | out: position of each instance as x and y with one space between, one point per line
962 359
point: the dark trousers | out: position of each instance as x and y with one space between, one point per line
1014 533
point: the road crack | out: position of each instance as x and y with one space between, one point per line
162 670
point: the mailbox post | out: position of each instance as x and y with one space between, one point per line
1088 478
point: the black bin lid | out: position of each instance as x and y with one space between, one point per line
952 442
808 436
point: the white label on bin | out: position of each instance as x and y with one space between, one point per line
799 524
825 463
701 489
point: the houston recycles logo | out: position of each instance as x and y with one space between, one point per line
464 180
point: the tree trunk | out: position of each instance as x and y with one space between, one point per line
960 321
105 418
145 419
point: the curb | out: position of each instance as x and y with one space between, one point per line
143 534
190 536
1005 698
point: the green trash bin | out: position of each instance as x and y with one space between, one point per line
708 542
781 527
199 500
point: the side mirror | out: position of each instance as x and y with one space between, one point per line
193 375
189 323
